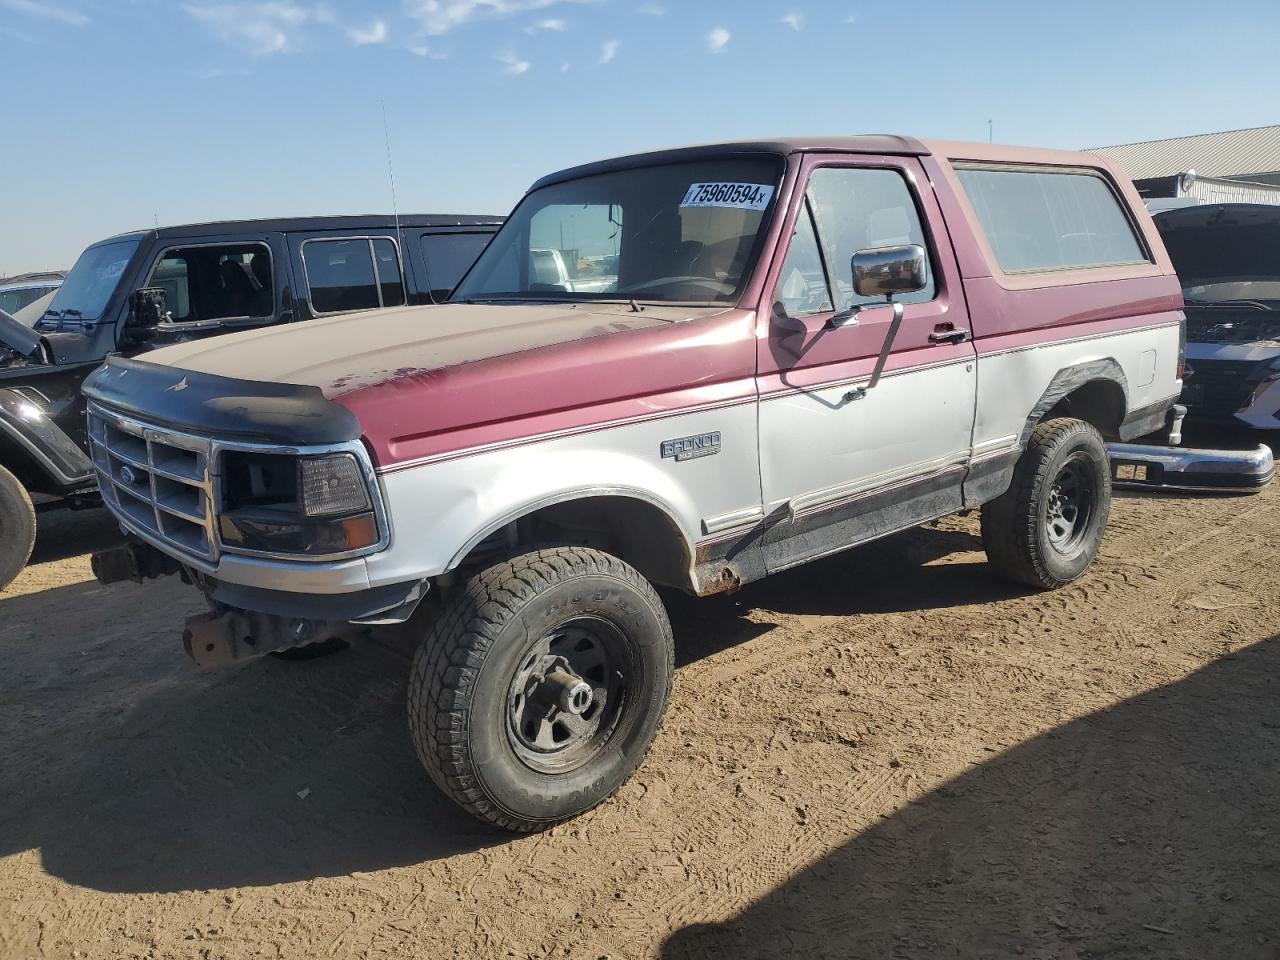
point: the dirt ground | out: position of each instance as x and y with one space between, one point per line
885 754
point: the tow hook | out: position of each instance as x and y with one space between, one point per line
215 639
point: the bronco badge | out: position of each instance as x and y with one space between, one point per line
690 448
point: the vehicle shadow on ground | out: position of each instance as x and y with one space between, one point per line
130 770
62 534
920 569
1149 829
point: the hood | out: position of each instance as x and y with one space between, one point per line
1222 242
17 337
424 382
344 354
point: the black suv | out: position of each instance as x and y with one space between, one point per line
139 291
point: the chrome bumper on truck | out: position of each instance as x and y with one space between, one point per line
1136 465
1171 467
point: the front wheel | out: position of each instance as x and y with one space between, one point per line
17 527
539 689
1045 530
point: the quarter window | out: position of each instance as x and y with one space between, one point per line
802 287
352 273
1044 219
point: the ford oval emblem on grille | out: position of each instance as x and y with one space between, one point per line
127 475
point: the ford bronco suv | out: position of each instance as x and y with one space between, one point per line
778 350
138 291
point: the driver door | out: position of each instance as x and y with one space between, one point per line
842 463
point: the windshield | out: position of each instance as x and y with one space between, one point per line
89 285
681 233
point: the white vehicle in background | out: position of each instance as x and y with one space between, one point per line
549 270
19 293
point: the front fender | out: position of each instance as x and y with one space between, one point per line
458 503
31 430
440 510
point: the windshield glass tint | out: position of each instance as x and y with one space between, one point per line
686 232
89 285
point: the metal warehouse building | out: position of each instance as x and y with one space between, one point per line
1237 166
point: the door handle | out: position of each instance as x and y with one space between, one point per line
949 336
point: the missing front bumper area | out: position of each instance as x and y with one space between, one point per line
216 639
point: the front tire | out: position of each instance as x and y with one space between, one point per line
1045 530
17 527
538 690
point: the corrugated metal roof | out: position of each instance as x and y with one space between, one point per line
1233 153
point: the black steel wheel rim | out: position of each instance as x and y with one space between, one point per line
553 724
1071 503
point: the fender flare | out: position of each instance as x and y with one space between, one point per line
1069 379
569 496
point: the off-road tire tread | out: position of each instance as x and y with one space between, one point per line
457 643
26 541
1010 523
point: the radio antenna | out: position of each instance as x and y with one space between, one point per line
391 173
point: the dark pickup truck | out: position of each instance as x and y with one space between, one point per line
139 291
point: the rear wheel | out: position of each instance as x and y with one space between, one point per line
537 692
1045 530
17 527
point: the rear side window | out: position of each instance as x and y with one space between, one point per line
448 257
1044 219
353 273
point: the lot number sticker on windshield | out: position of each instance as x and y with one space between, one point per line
740 196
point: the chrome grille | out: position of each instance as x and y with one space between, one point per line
159 483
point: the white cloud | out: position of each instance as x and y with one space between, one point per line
565 67
260 28
16 34
718 39
512 65
609 50
37 8
652 10
851 19
440 16
793 19
428 52
218 73
375 32
553 24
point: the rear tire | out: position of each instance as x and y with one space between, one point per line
1045 530
538 690
17 527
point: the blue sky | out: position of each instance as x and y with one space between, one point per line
126 111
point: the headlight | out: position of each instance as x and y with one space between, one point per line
310 506
332 486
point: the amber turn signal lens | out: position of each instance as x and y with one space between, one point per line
361 531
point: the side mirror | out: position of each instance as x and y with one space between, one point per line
886 271
146 308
